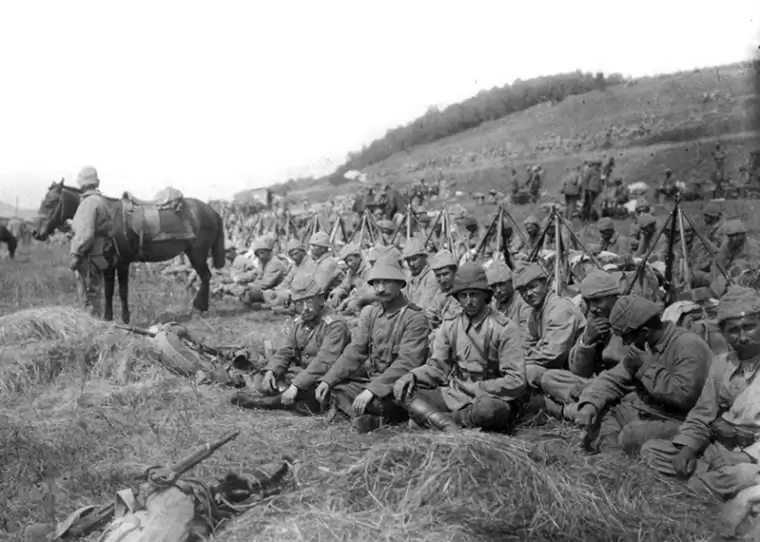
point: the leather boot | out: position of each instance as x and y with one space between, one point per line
425 414
247 400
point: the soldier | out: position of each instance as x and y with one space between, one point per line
611 241
301 266
554 323
736 255
533 231
713 223
390 340
596 350
269 276
668 189
354 278
591 188
514 184
387 228
666 366
327 271
647 231
469 243
719 157
571 190
311 347
476 374
505 299
90 243
421 286
718 446
444 306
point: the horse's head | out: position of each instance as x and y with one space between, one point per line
59 204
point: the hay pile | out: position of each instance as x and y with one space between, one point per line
473 486
40 345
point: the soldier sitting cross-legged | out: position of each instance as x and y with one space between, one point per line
314 344
391 339
476 375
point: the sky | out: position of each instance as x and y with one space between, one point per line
214 97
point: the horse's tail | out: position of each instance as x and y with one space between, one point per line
218 252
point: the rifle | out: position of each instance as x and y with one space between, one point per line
136 330
76 525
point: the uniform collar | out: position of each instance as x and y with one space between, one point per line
476 323
394 306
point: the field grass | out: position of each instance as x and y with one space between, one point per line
670 121
85 406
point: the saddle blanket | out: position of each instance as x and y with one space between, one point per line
154 223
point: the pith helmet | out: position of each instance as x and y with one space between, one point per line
88 177
320 239
386 268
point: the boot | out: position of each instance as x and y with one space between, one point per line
425 414
247 400
368 423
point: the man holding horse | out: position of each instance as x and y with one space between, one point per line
92 230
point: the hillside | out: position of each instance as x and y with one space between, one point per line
647 124
8 211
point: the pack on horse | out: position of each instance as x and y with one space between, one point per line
9 239
144 231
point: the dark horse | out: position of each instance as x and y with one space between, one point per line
9 239
61 202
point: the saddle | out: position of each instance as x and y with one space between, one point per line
159 219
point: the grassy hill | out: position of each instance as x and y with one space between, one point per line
647 124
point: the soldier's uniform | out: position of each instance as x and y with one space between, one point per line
271 274
421 288
390 340
592 187
476 374
668 189
667 382
444 305
571 190
736 255
612 241
92 233
354 278
647 226
302 266
309 350
713 223
535 184
533 231
723 428
586 360
327 272
512 305
552 329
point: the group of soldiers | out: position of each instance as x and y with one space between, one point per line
406 334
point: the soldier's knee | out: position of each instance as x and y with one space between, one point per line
653 450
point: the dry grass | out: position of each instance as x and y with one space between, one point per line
84 407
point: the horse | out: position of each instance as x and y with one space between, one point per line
10 240
144 231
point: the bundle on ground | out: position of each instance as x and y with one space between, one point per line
48 323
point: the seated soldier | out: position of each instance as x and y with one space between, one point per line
611 241
365 294
444 306
476 375
718 446
391 339
421 286
312 346
650 392
554 323
354 278
505 299
302 266
327 271
533 231
596 350
269 276
647 234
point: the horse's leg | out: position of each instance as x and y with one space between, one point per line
109 275
123 275
199 263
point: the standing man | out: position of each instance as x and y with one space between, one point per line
92 232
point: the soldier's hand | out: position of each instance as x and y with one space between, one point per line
634 359
269 381
288 397
322 391
361 402
685 462
586 415
596 328
404 386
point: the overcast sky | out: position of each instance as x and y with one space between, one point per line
213 97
